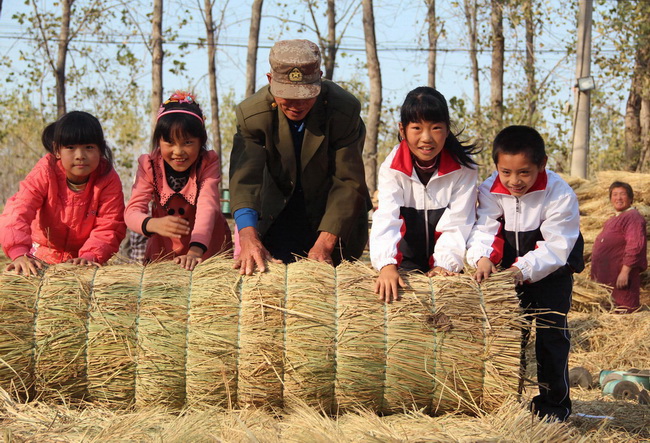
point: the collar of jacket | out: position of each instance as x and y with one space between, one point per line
539 185
190 192
403 161
313 139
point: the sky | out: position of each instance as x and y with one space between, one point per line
400 33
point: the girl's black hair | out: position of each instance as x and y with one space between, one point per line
176 126
76 128
427 104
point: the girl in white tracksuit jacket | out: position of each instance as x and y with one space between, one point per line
427 196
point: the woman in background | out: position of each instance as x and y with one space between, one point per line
620 250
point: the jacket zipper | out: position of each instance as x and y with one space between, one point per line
426 220
517 212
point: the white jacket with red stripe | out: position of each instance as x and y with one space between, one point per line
425 226
536 232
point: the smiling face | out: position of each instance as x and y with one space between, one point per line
517 172
79 161
425 139
180 154
620 199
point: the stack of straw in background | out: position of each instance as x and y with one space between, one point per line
306 333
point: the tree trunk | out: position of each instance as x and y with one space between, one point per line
374 107
59 71
633 123
471 13
156 60
644 156
253 43
330 53
496 70
529 67
433 42
212 79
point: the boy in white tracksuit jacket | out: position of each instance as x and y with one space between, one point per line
528 221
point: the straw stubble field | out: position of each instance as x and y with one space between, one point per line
601 340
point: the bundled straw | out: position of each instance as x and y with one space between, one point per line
306 333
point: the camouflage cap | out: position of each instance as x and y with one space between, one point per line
295 69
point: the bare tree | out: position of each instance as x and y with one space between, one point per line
632 119
433 35
470 9
374 107
253 42
329 45
156 60
212 31
58 65
529 66
496 70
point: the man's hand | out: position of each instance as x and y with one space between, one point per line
484 268
25 265
623 279
323 248
439 270
386 286
168 226
253 253
83 262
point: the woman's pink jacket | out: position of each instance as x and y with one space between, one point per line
52 222
198 202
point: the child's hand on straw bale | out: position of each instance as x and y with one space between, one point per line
517 276
83 262
169 226
253 253
189 261
26 265
439 270
484 268
386 286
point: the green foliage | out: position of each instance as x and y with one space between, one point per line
20 140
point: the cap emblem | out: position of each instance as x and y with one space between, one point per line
295 75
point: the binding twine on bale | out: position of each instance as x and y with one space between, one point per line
306 333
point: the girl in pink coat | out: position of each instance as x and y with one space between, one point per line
180 179
70 207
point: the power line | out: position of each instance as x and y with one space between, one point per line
127 41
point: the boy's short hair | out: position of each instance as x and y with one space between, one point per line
518 139
626 186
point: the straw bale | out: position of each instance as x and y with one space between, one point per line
360 340
310 335
162 335
112 341
17 312
212 335
261 338
60 332
306 333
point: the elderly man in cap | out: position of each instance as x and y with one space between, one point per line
297 182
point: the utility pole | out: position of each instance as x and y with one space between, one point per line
584 85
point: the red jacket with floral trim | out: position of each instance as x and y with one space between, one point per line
198 202
56 224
